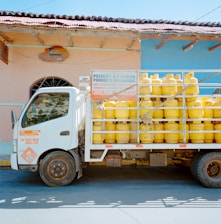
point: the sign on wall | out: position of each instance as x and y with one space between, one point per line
54 54
114 85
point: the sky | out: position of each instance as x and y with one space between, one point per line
173 10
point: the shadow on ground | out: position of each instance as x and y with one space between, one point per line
108 187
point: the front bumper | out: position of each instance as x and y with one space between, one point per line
14 161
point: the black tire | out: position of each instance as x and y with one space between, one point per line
208 170
57 169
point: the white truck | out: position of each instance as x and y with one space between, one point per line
143 118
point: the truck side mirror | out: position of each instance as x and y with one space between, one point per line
13 118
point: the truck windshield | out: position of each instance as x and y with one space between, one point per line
45 107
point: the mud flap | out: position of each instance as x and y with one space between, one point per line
77 158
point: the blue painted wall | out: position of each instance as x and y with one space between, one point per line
172 56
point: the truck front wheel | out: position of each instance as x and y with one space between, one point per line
208 170
57 169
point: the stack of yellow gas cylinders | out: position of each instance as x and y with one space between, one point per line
168 110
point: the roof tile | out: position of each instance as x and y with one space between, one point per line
95 22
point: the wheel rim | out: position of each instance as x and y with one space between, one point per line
58 169
214 169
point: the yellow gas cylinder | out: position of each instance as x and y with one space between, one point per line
159 135
172 136
123 136
169 85
109 109
156 85
191 85
208 108
145 85
97 111
217 108
133 135
98 138
145 108
183 113
184 134
169 111
218 134
197 136
145 135
122 110
208 137
110 137
158 112
179 83
132 112
195 109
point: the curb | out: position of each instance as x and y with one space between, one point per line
5 161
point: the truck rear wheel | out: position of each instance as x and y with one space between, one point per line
57 169
208 170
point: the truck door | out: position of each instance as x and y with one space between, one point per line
45 124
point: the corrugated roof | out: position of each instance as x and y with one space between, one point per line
108 23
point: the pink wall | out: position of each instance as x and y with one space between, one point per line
25 68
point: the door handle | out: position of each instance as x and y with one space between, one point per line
63 133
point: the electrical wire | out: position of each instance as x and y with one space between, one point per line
213 10
34 58
38 5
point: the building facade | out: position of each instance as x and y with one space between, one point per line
52 50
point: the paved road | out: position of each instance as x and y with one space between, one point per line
104 195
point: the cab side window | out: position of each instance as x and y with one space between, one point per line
46 107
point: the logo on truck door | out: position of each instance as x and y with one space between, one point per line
29 136
29 155
29 132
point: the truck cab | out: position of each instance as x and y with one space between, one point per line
50 122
